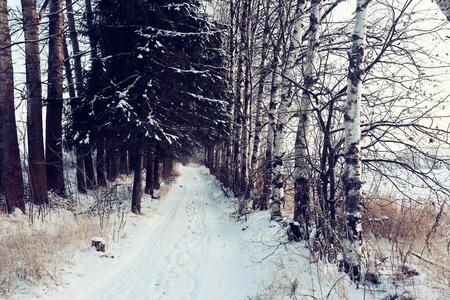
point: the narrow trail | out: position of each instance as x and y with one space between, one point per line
188 250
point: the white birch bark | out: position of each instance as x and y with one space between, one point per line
444 6
258 201
283 113
275 206
301 197
245 129
352 152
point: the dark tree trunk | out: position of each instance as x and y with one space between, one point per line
101 162
156 174
112 159
11 181
167 168
89 167
123 161
81 181
131 159
36 157
54 159
149 178
137 182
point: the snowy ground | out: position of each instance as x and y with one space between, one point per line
186 245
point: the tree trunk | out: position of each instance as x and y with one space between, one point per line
137 182
112 161
84 151
150 167
352 153
167 168
246 95
54 153
269 186
36 157
444 6
301 185
11 181
258 199
80 174
88 167
156 173
101 161
286 99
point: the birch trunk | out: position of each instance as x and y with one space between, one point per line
230 158
246 124
275 203
259 201
444 6
301 185
53 152
352 152
286 99
35 134
11 181
239 125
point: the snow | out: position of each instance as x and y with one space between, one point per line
188 244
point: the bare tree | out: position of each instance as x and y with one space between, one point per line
302 172
295 36
352 153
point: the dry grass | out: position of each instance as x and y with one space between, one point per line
29 255
413 238
420 223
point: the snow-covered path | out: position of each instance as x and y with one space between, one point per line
187 249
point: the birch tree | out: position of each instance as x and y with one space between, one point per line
444 6
301 176
288 76
260 201
352 177
11 181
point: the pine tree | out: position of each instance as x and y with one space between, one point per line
36 156
11 181
53 152
160 82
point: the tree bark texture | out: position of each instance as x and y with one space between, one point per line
36 157
149 177
301 185
54 154
295 37
137 182
444 6
352 153
11 181
270 185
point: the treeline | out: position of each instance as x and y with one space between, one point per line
146 82
322 92
291 99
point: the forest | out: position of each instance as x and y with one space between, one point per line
330 114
